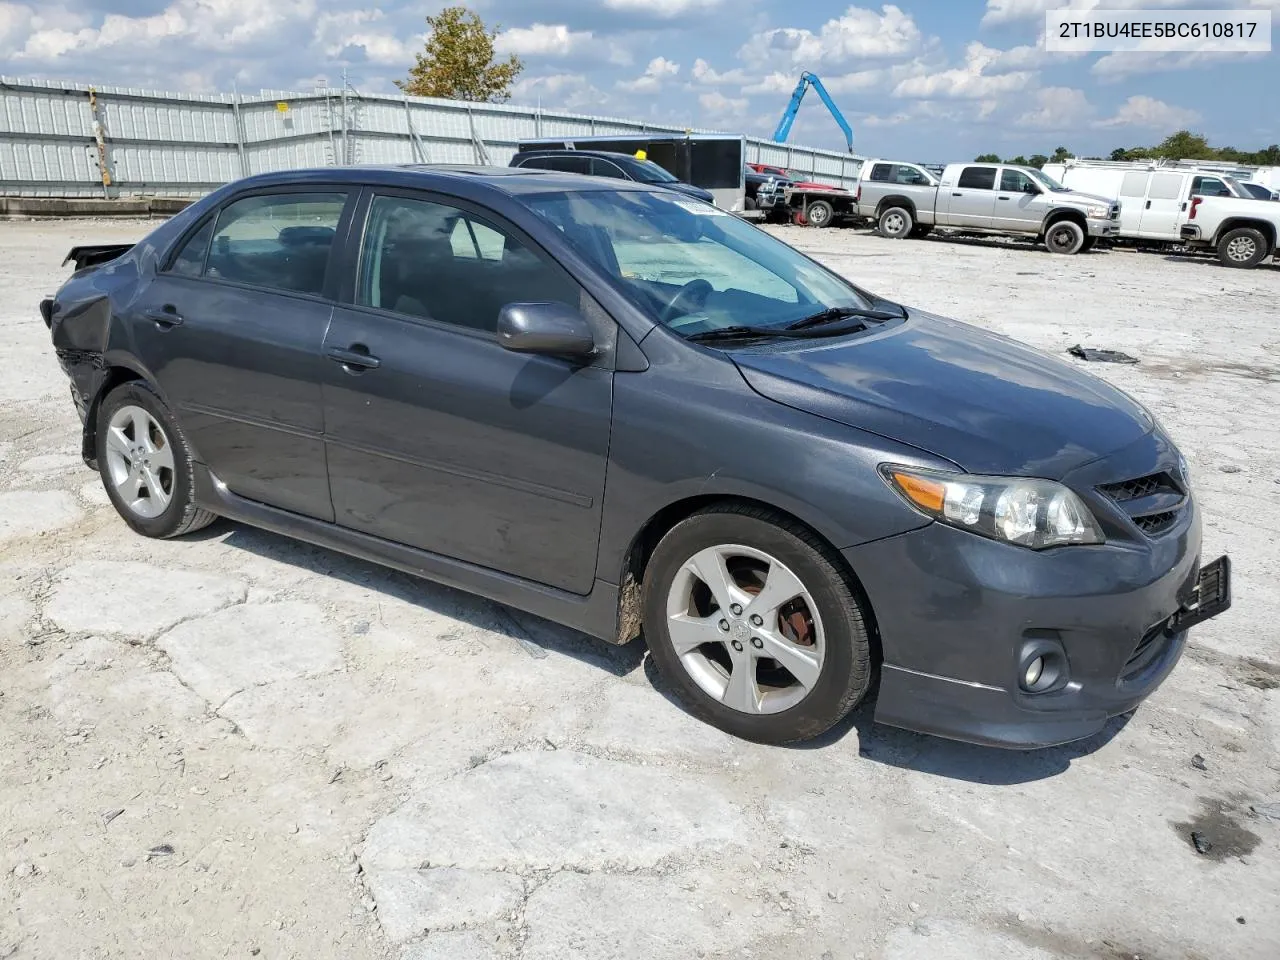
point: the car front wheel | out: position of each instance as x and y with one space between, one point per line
1243 247
145 463
896 223
752 621
1064 237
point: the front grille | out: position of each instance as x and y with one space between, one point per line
1152 502
1149 648
1140 487
1115 213
1154 524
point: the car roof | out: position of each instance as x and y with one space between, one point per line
511 181
554 152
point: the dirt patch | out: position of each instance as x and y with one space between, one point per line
1217 832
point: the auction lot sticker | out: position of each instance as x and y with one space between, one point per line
1200 31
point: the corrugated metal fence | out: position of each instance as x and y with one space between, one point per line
75 140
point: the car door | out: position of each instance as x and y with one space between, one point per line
972 200
232 329
439 438
1133 200
1020 203
912 182
1161 212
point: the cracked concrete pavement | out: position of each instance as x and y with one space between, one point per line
236 745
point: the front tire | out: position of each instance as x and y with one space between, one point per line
1243 248
896 223
752 621
820 213
1065 237
145 463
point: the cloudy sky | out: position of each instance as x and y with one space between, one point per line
933 79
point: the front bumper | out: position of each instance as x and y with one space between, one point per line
956 614
1103 228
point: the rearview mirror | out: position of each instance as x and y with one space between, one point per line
551 329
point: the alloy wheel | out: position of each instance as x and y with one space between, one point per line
1242 249
140 462
746 629
894 224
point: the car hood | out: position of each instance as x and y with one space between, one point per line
985 402
689 190
1085 199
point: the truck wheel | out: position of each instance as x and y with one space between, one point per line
749 617
1242 247
749 203
919 232
820 213
1064 237
896 223
1088 244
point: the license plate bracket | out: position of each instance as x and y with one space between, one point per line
1211 597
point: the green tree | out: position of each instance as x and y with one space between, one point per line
458 61
986 158
1019 160
1185 145
1060 154
1037 160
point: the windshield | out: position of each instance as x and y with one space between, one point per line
646 171
692 266
1045 180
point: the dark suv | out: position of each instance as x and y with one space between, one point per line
622 410
603 163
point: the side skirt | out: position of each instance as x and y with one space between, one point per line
595 614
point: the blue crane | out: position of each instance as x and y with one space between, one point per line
808 80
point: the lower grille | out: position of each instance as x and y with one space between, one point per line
1149 649
1156 523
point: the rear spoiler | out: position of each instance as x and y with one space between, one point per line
90 255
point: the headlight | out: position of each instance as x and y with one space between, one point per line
1029 513
1097 213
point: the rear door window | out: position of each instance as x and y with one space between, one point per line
1165 186
276 241
978 178
1134 185
882 172
908 175
607 168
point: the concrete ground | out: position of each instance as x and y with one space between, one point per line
236 745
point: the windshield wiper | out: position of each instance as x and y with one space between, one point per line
834 314
735 333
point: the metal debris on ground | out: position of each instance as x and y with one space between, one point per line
109 815
1198 762
1100 356
162 850
1201 842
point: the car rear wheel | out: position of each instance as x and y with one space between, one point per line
751 620
1065 236
919 232
820 213
145 463
1242 247
896 223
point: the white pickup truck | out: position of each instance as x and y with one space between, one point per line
1242 232
906 200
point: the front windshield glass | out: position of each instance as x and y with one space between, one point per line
1045 180
646 171
692 266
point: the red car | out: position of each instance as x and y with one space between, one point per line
796 180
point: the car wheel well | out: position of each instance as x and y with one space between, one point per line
1057 216
661 523
113 378
1262 226
904 202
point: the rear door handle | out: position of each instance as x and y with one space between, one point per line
165 318
1148 204
355 358
1003 198
957 194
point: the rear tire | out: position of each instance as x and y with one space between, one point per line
1243 248
1065 237
896 223
820 213
919 232
809 618
146 464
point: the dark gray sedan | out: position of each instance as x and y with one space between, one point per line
628 412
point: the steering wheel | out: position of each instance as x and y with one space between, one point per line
688 299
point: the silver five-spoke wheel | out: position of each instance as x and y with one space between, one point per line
140 461
746 629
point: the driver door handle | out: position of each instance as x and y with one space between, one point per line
355 358
1003 198
957 194
165 318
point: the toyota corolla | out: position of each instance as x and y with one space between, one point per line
631 413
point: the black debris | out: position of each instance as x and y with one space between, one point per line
163 850
1201 843
109 815
1100 356
1198 762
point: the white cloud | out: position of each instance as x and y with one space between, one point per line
659 70
703 72
1143 111
542 39
339 33
1014 11
1057 108
1121 64
718 104
859 34
663 9
569 91
968 82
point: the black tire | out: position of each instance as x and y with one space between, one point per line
749 203
181 515
1242 248
896 223
846 666
1088 244
819 213
920 231
1065 237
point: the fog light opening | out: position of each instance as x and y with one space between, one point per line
1042 666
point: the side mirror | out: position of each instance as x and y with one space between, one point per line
551 329
1031 188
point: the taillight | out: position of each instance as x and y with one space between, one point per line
857 194
1195 202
